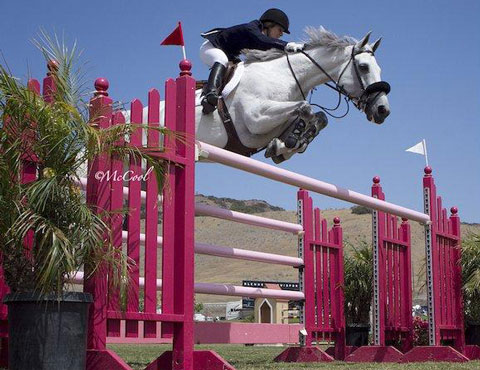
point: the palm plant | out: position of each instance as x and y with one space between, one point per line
67 233
471 277
470 263
358 275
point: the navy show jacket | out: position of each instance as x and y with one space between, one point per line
243 36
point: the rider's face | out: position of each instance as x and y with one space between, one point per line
276 31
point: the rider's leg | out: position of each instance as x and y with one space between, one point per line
210 100
217 60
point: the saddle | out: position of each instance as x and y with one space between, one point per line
233 144
231 67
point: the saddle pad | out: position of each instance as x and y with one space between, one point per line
233 83
229 87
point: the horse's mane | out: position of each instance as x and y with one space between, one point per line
316 37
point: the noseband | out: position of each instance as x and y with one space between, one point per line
369 94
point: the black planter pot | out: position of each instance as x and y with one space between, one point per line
47 333
357 334
472 333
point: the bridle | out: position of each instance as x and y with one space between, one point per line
369 94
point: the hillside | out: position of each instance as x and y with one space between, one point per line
225 233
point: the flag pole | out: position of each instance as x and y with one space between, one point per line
425 150
184 54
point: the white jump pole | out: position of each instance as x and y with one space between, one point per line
234 160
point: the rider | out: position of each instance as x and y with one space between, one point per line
225 44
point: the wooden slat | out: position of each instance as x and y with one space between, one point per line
116 204
151 218
134 204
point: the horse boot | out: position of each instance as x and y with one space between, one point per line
210 98
296 139
307 137
288 140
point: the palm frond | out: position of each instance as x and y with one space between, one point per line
59 137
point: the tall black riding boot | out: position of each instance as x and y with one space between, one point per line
210 99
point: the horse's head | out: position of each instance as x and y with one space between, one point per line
360 80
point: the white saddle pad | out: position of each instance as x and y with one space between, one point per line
231 85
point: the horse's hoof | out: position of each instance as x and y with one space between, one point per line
271 149
278 159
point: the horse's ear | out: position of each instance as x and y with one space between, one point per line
376 44
363 41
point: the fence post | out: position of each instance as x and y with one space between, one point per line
392 287
179 241
444 284
99 196
340 339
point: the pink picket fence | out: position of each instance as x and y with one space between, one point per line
444 283
321 280
392 322
319 261
393 280
323 255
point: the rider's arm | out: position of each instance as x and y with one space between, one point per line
247 36
260 41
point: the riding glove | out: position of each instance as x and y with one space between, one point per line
293 47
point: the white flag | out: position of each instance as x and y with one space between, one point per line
420 148
417 148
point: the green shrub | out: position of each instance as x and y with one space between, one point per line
361 210
358 274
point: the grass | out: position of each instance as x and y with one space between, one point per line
261 357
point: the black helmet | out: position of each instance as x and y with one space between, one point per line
276 16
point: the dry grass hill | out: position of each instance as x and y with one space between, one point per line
226 233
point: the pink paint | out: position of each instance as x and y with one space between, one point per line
228 252
392 313
242 333
202 209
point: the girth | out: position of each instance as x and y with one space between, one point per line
233 143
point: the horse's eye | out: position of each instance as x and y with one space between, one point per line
363 67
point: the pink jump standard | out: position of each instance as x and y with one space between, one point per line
321 279
178 238
392 287
444 282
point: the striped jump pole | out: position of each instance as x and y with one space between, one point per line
234 160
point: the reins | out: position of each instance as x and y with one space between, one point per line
377 87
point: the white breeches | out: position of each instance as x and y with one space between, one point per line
209 54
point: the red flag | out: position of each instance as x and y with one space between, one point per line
175 38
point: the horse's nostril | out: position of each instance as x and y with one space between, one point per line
382 109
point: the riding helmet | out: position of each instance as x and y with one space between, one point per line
276 16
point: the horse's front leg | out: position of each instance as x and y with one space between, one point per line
296 138
272 114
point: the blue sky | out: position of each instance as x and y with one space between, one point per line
429 54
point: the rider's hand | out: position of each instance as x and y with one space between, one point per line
293 47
